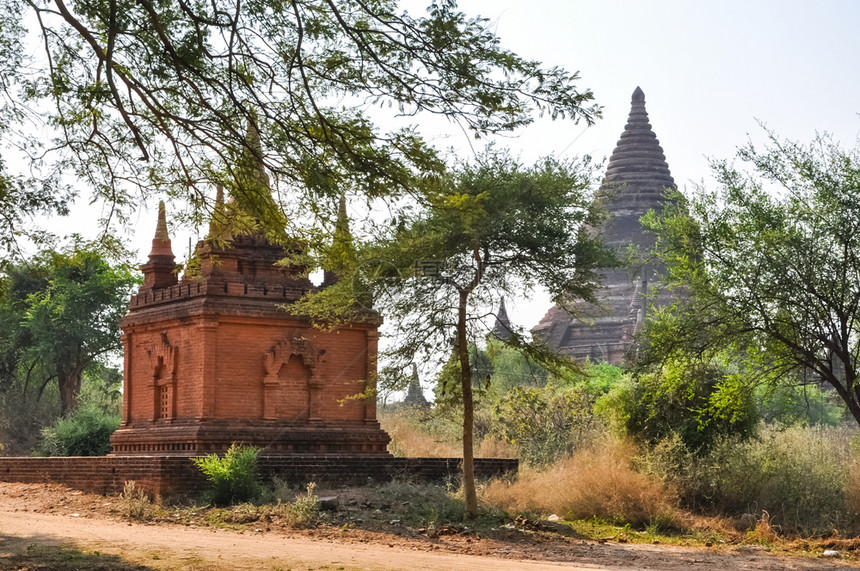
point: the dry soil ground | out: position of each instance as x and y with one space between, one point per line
49 527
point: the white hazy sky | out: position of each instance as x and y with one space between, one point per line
709 70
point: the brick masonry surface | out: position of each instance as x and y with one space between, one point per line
172 475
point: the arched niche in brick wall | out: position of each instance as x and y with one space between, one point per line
162 361
275 387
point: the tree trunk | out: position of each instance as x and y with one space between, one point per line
468 412
70 387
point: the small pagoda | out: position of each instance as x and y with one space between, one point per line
636 181
216 357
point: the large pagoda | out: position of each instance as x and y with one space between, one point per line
636 181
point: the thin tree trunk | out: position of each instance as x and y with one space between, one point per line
468 412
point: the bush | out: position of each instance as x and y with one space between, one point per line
799 475
544 423
589 484
135 503
233 477
698 402
804 404
84 432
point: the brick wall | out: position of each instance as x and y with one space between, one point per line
169 475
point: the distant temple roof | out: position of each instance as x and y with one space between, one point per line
502 327
414 393
636 180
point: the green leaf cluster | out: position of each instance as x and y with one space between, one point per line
60 312
233 477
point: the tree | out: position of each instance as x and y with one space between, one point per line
156 95
488 228
770 266
63 308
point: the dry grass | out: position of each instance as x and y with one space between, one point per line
853 491
407 439
410 438
589 484
491 447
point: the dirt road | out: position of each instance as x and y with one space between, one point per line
48 527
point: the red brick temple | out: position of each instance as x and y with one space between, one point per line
216 358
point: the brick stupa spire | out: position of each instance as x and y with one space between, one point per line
160 270
636 180
341 241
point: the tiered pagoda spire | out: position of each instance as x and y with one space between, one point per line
160 269
636 181
502 327
341 242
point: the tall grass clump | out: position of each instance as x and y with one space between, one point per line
232 478
591 483
801 476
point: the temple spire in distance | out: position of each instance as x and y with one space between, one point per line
636 181
502 327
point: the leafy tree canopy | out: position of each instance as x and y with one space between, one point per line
157 95
486 229
770 267
60 313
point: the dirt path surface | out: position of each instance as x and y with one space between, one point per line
50 527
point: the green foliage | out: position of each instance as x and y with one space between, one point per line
84 432
544 423
449 393
769 267
61 314
511 368
307 73
697 402
805 404
233 477
603 377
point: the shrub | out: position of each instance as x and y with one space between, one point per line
544 423
233 477
698 402
799 475
84 432
588 484
304 510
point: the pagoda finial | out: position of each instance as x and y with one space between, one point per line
638 95
254 146
341 227
161 241
219 227
159 270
